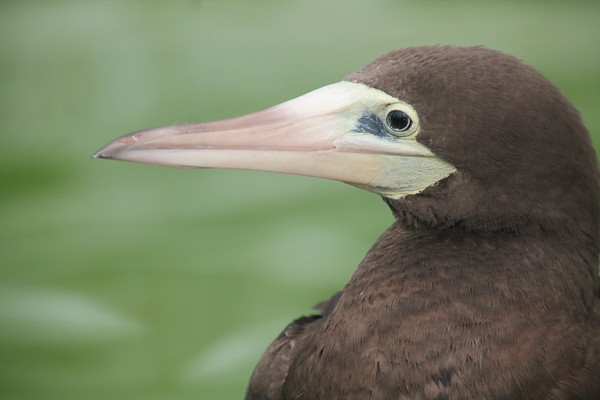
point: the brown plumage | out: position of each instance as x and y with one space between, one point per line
486 285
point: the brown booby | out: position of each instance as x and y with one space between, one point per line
486 285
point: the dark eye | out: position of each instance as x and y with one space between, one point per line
398 121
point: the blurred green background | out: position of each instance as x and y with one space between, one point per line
128 281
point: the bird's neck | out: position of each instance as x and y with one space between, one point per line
419 269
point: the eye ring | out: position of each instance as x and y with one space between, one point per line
398 121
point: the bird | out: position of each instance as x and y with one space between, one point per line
486 285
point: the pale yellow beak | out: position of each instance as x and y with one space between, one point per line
319 134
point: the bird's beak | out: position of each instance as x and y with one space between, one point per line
318 134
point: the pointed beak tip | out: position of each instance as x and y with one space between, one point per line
110 151
101 153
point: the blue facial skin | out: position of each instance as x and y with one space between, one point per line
371 123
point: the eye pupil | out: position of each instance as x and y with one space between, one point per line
399 121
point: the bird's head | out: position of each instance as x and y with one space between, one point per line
520 149
449 136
